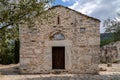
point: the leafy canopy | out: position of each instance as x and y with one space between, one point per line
13 11
113 26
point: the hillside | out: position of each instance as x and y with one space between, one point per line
106 38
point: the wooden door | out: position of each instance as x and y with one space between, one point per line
58 57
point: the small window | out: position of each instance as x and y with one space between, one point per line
58 20
82 30
58 36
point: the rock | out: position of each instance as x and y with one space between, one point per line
102 69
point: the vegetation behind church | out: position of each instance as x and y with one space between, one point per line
112 33
106 38
12 14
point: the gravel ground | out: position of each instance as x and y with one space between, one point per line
11 72
114 68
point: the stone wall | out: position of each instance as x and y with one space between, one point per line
82 48
110 52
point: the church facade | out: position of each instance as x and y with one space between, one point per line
66 43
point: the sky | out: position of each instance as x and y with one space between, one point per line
100 9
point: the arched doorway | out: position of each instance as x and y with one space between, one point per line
58 52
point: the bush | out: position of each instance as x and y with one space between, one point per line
107 41
11 54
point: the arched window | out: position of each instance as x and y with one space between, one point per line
58 36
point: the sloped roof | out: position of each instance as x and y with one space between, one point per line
75 11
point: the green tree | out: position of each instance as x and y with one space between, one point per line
12 14
113 26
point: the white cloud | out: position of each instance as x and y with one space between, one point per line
65 0
75 5
101 9
85 6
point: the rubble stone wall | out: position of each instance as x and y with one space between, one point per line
81 48
110 52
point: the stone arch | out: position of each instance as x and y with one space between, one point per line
57 35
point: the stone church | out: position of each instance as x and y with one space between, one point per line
66 43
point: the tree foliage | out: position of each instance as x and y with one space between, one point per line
13 13
113 26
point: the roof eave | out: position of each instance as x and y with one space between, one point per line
74 11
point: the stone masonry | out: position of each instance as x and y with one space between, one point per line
81 41
110 52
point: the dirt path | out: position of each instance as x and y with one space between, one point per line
14 69
11 72
114 68
11 69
